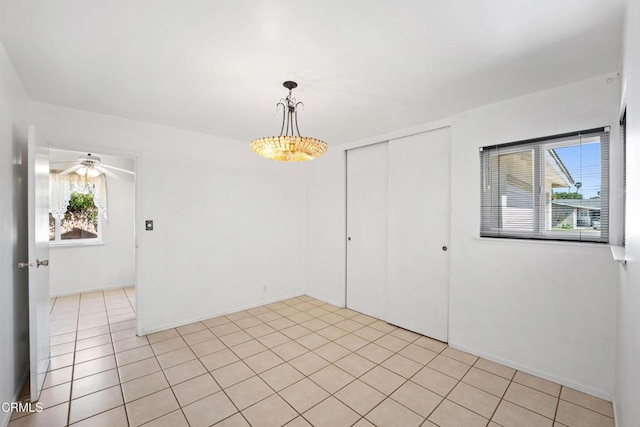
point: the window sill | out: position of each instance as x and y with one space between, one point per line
76 243
619 254
572 244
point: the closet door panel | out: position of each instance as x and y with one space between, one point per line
418 231
367 229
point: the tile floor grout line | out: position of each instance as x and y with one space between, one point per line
579 405
405 382
533 388
332 363
230 400
455 403
172 392
171 386
255 338
502 398
292 303
528 409
73 365
389 396
503 393
493 414
113 347
214 379
559 398
280 364
261 379
97 391
337 367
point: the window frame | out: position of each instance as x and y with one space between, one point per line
538 146
58 241
623 136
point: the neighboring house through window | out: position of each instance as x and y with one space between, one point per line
553 188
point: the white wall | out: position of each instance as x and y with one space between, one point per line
326 227
227 222
111 264
543 307
14 321
627 392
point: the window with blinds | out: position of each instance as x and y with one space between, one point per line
552 188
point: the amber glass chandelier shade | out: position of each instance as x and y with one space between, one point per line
290 146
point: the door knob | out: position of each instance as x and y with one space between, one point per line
444 248
25 264
44 263
349 238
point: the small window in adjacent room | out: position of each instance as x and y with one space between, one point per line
81 221
552 188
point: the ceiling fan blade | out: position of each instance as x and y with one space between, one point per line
106 172
70 170
118 169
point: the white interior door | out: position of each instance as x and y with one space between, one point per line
419 213
367 229
39 306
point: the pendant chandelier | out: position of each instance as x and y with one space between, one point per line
289 146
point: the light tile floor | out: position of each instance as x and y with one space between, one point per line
297 362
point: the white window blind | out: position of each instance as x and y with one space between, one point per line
552 188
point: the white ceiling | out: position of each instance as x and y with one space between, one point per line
364 67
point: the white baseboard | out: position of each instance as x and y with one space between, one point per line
537 373
616 422
146 331
328 301
5 417
81 291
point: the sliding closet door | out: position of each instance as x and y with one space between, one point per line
367 229
418 227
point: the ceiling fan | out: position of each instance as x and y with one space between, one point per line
91 166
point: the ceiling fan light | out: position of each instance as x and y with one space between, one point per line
82 170
93 172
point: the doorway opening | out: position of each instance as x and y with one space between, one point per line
92 237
